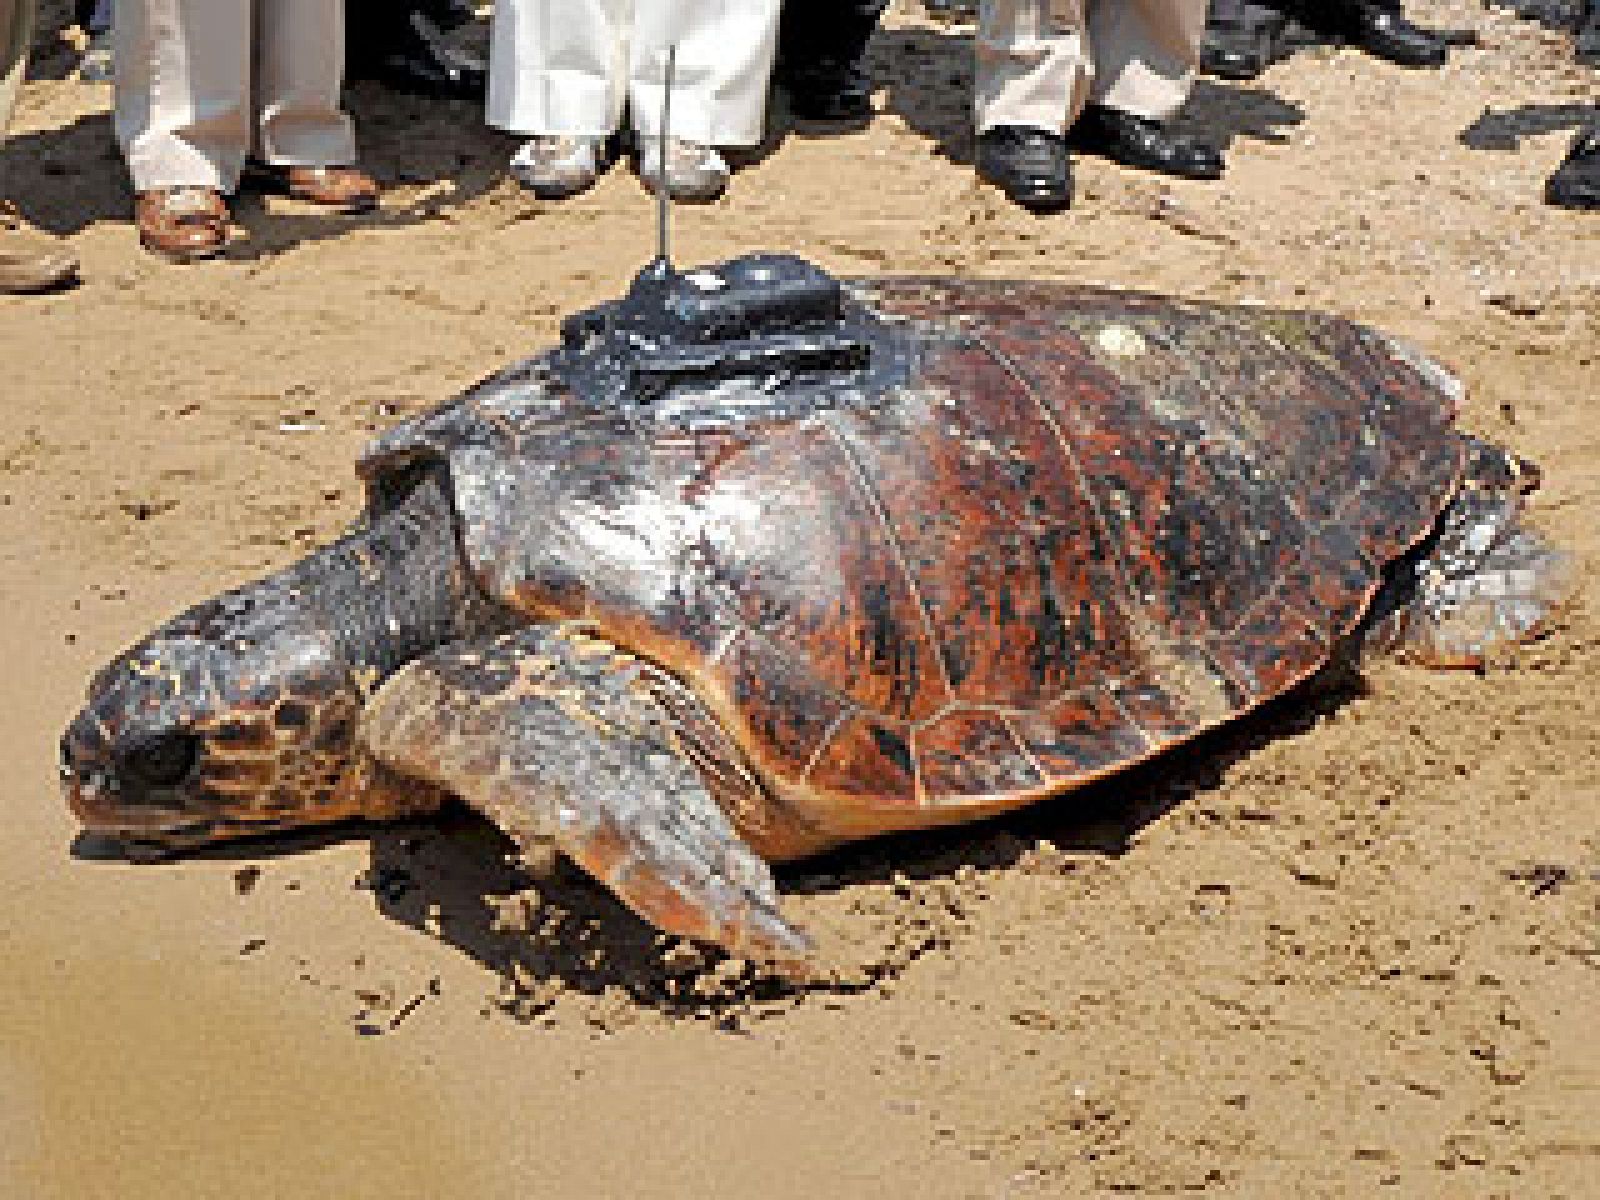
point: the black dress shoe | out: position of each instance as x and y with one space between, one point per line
1576 182
1139 142
828 90
1031 166
1385 33
1241 48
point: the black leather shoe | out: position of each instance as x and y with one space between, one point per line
1031 166
1139 142
828 91
1241 49
1576 182
1386 34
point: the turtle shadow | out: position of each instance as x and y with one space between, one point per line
547 937
928 75
265 847
1506 129
457 880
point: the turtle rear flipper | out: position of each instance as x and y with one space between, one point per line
1481 583
560 738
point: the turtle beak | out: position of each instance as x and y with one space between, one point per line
96 794
90 789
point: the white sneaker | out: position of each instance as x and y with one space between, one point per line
695 171
553 166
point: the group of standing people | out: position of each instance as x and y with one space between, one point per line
212 95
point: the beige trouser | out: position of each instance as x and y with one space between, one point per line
570 66
201 84
16 30
1041 61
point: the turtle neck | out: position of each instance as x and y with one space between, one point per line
395 587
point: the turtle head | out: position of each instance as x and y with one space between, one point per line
236 717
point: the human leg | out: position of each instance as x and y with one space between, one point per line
1033 67
98 61
723 67
1146 54
558 71
1033 78
820 48
1380 27
301 132
16 34
299 62
720 81
183 117
1241 39
28 261
183 111
559 66
404 45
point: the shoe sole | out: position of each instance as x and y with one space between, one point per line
264 180
333 210
680 196
546 191
184 257
1557 198
1040 204
37 287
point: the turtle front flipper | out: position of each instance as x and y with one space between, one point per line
560 738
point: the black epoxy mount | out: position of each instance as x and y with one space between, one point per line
738 300
774 322
760 336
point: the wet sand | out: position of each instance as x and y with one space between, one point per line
1346 948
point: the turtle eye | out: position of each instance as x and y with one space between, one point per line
164 761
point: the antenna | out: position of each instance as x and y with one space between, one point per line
663 199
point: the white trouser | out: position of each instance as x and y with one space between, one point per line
201 84
570 66
16 30
1041 61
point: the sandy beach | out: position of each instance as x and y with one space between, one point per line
1347 947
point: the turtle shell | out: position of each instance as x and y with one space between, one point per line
1074 528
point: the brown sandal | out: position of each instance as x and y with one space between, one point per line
182 224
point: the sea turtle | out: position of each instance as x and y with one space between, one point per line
756 563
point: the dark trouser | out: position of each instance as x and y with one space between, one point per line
1241 13
812 32
93 16
375 29
1334 16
